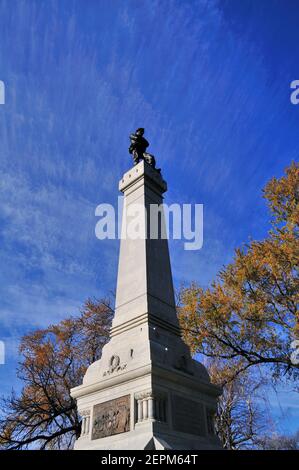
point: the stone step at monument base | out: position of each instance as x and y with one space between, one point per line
149 438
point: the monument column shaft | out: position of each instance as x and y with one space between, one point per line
145 408
139 409
151 408
144 282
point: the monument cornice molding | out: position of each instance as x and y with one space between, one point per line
142 174
159 371
143 395
126 376
149 318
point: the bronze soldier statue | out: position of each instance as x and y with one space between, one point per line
138 149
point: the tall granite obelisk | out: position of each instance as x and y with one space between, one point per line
146 392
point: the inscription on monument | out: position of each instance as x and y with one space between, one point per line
111 417
188 416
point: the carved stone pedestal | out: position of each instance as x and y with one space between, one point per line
146 392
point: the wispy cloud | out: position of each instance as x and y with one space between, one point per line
80 76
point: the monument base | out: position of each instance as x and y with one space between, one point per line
151 436
148 408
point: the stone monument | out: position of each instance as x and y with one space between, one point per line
146 391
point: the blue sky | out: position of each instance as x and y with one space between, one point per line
209 81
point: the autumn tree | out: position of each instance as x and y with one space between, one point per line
241 418
250 314
53 360
279 442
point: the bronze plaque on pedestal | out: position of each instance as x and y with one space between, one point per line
111 417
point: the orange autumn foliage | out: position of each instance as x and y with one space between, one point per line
250 313
53 360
